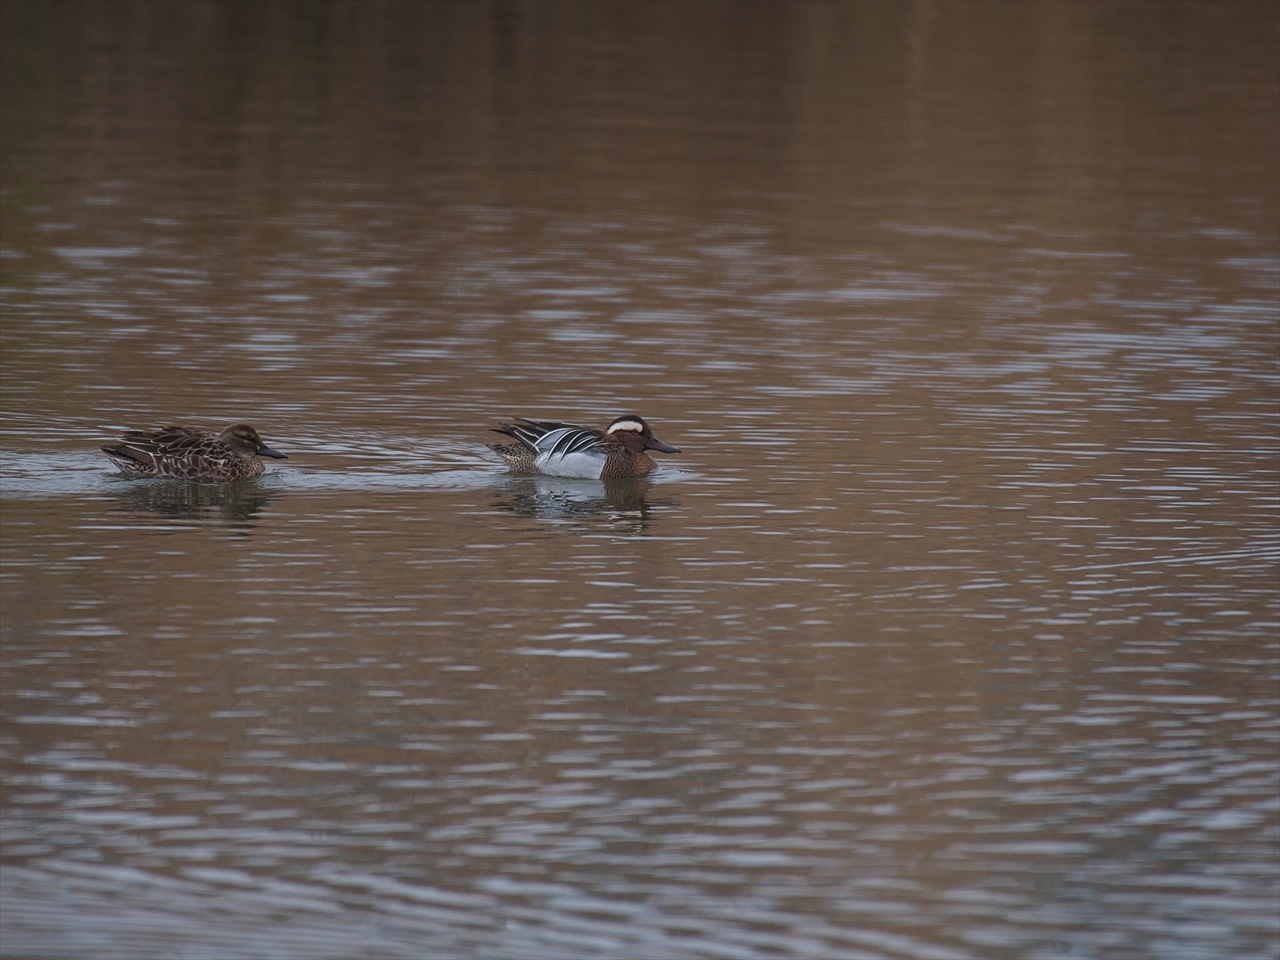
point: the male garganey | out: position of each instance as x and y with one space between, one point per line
568 450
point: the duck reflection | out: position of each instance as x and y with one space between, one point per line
234 503
613 506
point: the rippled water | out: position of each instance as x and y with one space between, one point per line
951 633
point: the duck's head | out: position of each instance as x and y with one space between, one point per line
244 440
635 435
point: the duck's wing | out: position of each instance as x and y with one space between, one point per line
552 437
566 439
166 441
148 448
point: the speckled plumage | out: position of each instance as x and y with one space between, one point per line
184 453
568 450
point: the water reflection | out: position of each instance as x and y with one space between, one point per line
235 504
621 507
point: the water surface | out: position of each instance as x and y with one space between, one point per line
952 633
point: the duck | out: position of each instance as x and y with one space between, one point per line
184 453
569 450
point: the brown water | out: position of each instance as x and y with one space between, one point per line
952 633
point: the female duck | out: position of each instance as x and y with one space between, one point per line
568 450
187 454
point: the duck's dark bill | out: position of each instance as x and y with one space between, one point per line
656 444
268 452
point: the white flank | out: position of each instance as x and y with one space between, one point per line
554 462
588 466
